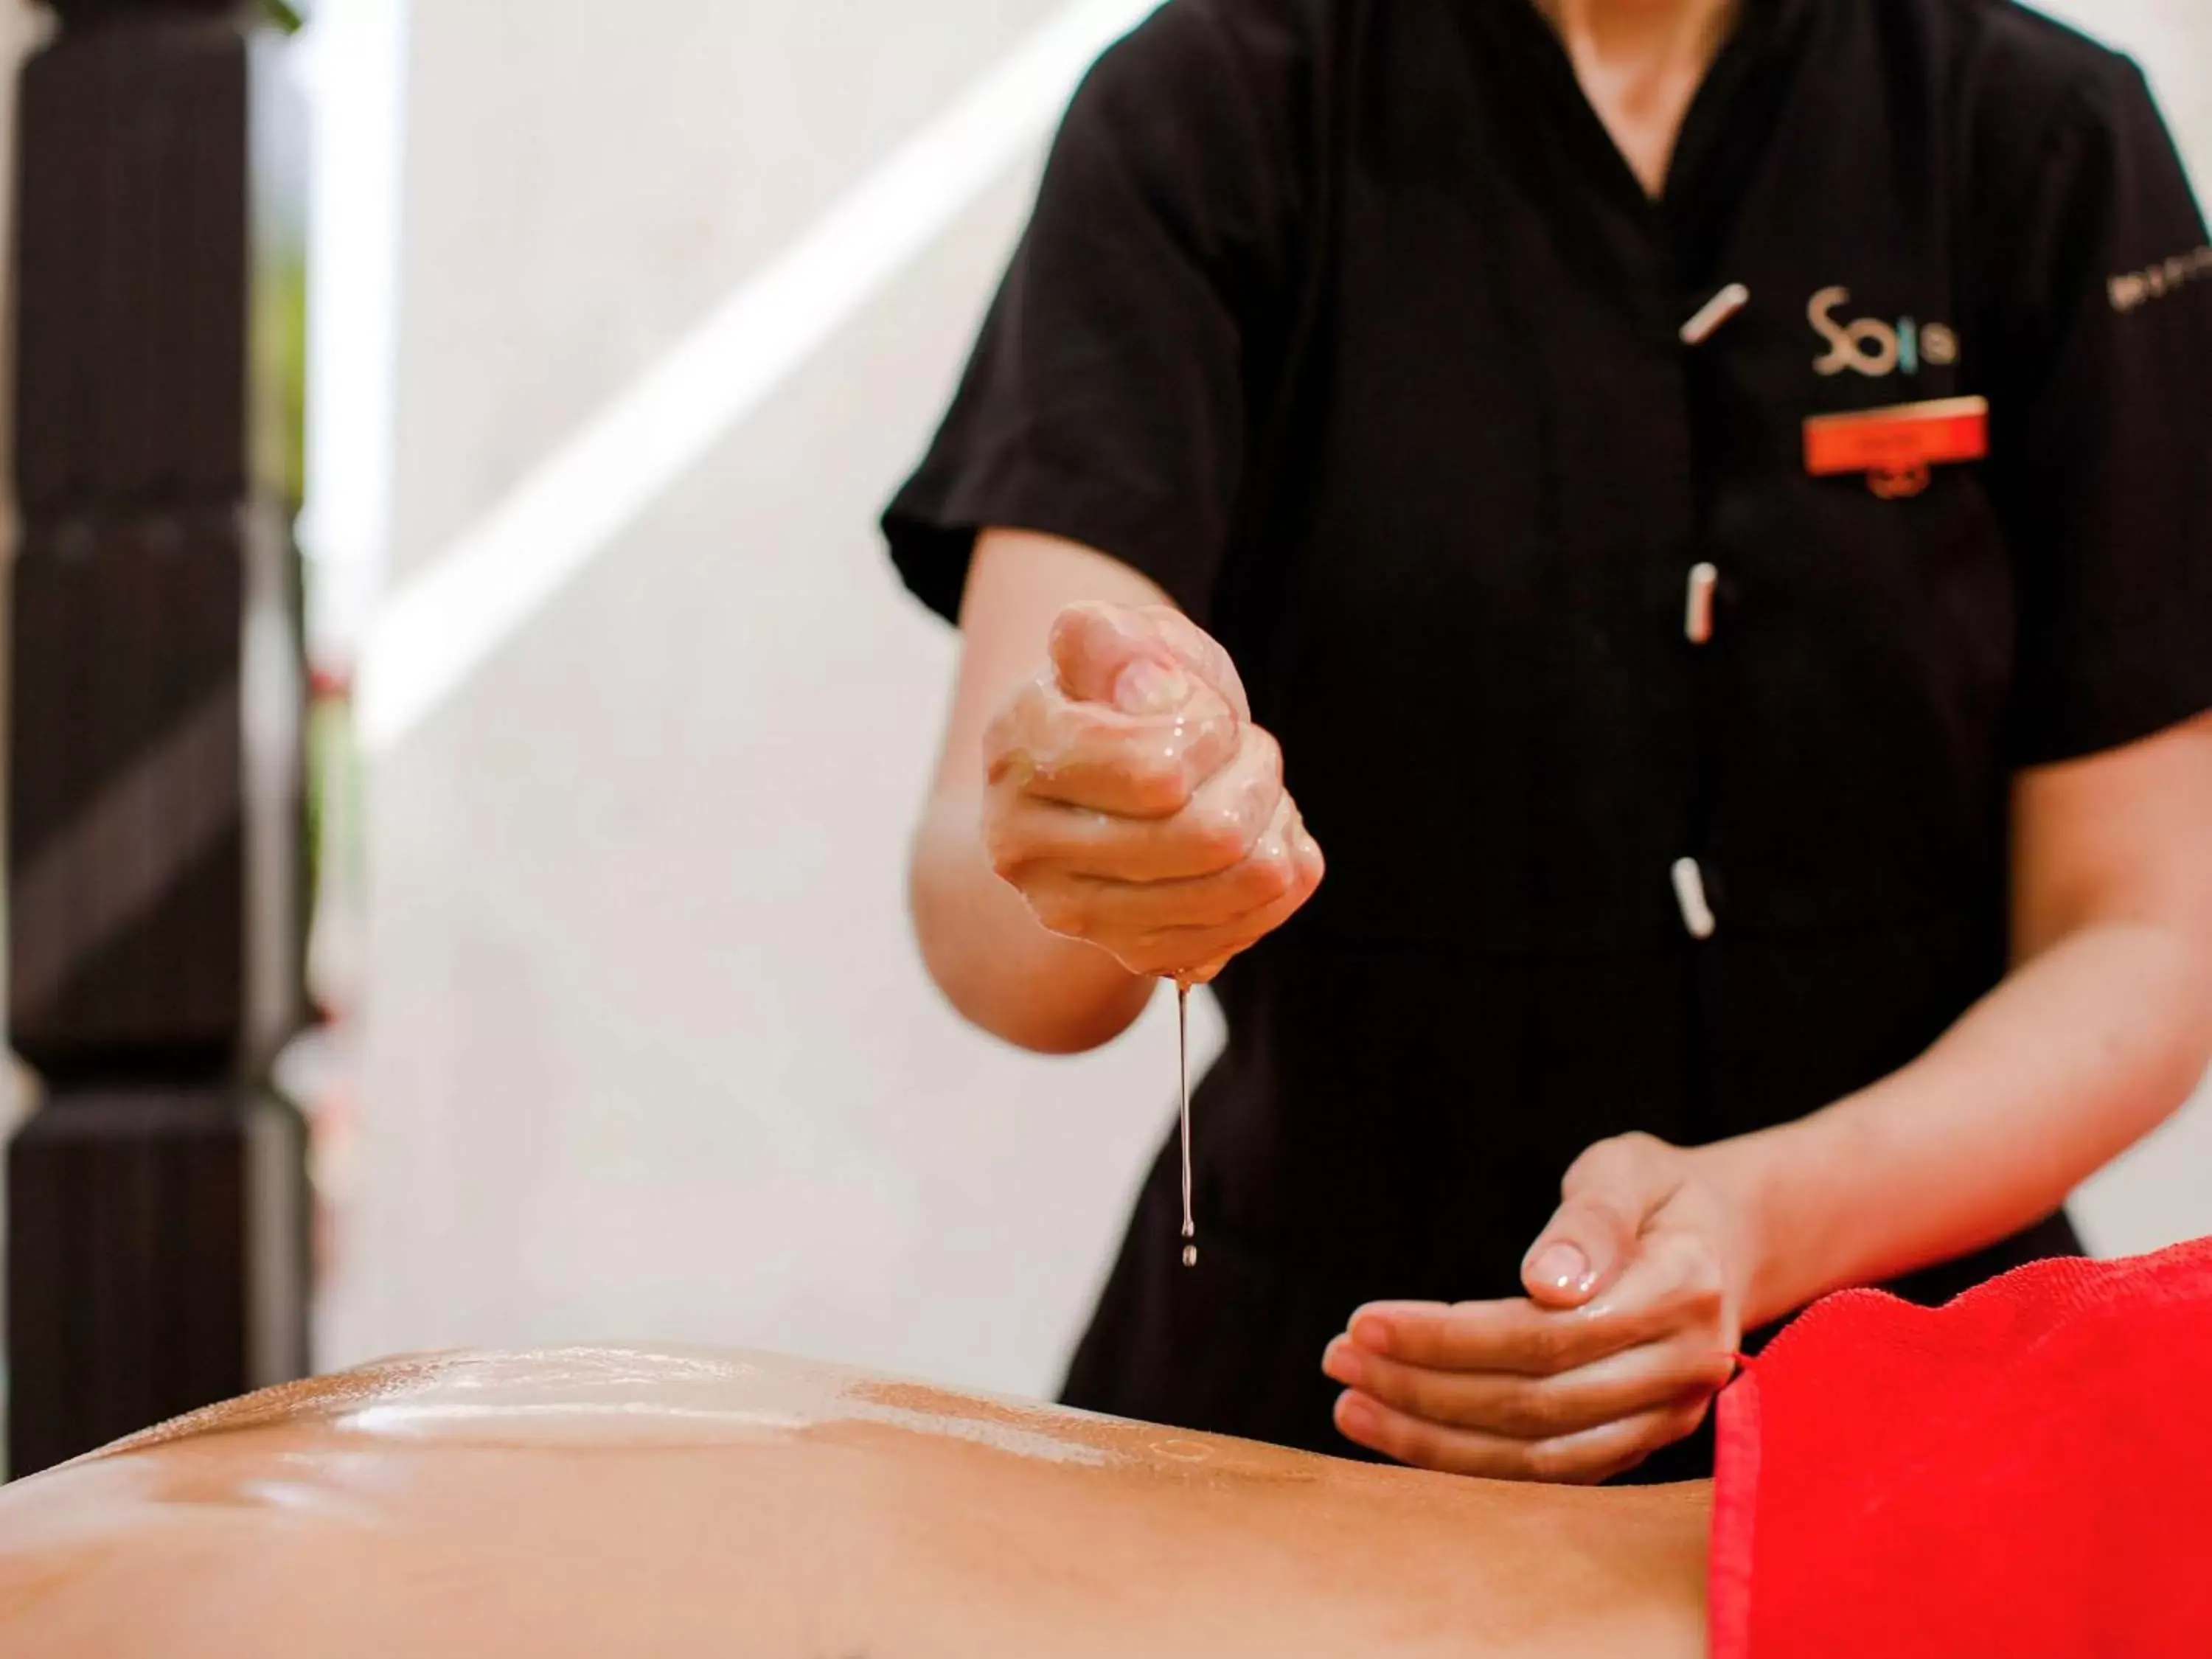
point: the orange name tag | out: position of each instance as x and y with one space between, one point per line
1896 447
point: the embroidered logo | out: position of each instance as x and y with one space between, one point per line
2140 287
1873 348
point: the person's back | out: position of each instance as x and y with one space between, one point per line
2041 1496
615 1501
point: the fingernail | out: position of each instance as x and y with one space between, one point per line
1563 1267
1145 687
1372 1332
1354 1415
1343 1363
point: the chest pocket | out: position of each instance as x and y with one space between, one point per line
1858 701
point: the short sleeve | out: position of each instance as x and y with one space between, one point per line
1106 399
2101 429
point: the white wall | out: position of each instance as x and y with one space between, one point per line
649 1050
2162 1190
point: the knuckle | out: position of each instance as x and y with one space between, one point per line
1212 739
1530 1461
1001 735
1255 811
1582 1470
1376 1430
1543 1461
1551 1347
1621 1221
1587 1167
1062 910
1616 1155
1570 1462
1424 1394
1269 875
1717 1371
1537 1412
1007 765
1221 839
1159 785
1007 848
1600 1160
1025 710
1267 753
1411 1443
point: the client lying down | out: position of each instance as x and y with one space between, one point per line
2050 1492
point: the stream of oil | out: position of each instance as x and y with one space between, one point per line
1182 1050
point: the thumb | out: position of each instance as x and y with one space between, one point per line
1609 1195
1111 654
1201 653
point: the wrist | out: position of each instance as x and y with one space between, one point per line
1749 1174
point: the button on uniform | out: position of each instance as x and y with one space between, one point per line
1714 313
1697 615
1690 894
1698 608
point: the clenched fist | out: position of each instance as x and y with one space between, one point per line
1134 804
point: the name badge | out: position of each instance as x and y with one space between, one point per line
1896 447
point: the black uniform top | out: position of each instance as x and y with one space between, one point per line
1346 322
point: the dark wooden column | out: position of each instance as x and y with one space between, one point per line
157 1250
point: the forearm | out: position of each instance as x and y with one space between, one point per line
983 946
990 957
2080 1052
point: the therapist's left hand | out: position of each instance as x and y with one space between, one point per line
1631 1325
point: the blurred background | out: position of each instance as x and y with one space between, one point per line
620 324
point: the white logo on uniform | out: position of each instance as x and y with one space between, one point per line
2140 287
1875 348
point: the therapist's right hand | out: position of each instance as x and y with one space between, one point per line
1134 804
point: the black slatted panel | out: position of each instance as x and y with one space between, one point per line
156 1255
132 276
127 856
132 1216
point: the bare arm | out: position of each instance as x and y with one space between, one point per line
1660 1256
2097 1036
985 947
1103 779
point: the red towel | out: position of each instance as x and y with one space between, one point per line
2025 1473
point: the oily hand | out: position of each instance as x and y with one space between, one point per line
1631 1326
1133 802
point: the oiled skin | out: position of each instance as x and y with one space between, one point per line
618 1501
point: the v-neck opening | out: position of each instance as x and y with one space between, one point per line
1704 120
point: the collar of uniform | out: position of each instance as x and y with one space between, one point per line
1723 131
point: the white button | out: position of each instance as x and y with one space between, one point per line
1715 312
1690 894
1697 611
